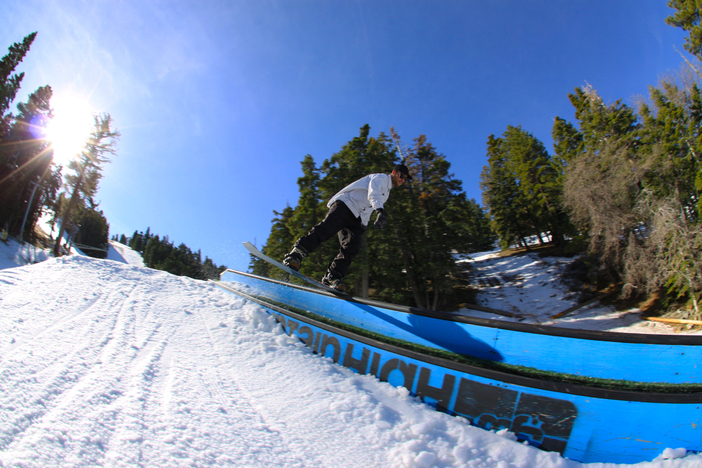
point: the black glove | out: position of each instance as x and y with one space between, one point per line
382 220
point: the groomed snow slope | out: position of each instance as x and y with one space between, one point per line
110 364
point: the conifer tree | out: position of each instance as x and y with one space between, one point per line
210 270
88 170
279 242
687 17
27 179
9 83
161 254
411 261
309 211
430 220
600 123
93 232
669 200
567 144
135 242
470 224
156 251
631 185
522 187
361 156
669 140
502 197
425 234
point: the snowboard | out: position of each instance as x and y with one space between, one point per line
257 253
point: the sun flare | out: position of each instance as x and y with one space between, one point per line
69 128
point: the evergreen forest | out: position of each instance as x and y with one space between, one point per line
161 254
413 260
32 184
621 188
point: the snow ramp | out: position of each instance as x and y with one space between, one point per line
590 396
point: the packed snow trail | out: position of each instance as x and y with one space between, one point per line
107 364
99 372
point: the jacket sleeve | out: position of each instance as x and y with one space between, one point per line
378 190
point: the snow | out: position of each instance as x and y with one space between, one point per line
121 253
13 254
109 363
528 287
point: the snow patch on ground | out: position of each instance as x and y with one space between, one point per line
528 286
121 253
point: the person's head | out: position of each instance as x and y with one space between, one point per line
399 175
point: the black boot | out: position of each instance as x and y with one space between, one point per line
293 260
334 281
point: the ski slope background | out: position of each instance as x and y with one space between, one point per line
109 363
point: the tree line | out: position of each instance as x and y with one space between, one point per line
623 183
413 260
161 254
31 183
622 187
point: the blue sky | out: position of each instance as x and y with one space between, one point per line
218 102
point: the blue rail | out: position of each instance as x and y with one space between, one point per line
582 423
619 356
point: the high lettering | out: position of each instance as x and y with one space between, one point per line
541 421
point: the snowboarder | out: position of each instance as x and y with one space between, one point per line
349 214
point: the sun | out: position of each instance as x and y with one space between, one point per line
70 127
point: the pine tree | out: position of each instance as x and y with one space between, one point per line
18 149
567 143
93 232
161 254
361 156
668 202
502 197
687 17
88 170
410 262
600 123
470 224
279 242
429 219
28 181
135 242
9 83
426 238
539 182
309 211
669 141
210 270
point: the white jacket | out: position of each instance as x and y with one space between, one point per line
365 195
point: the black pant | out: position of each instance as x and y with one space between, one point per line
339 220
